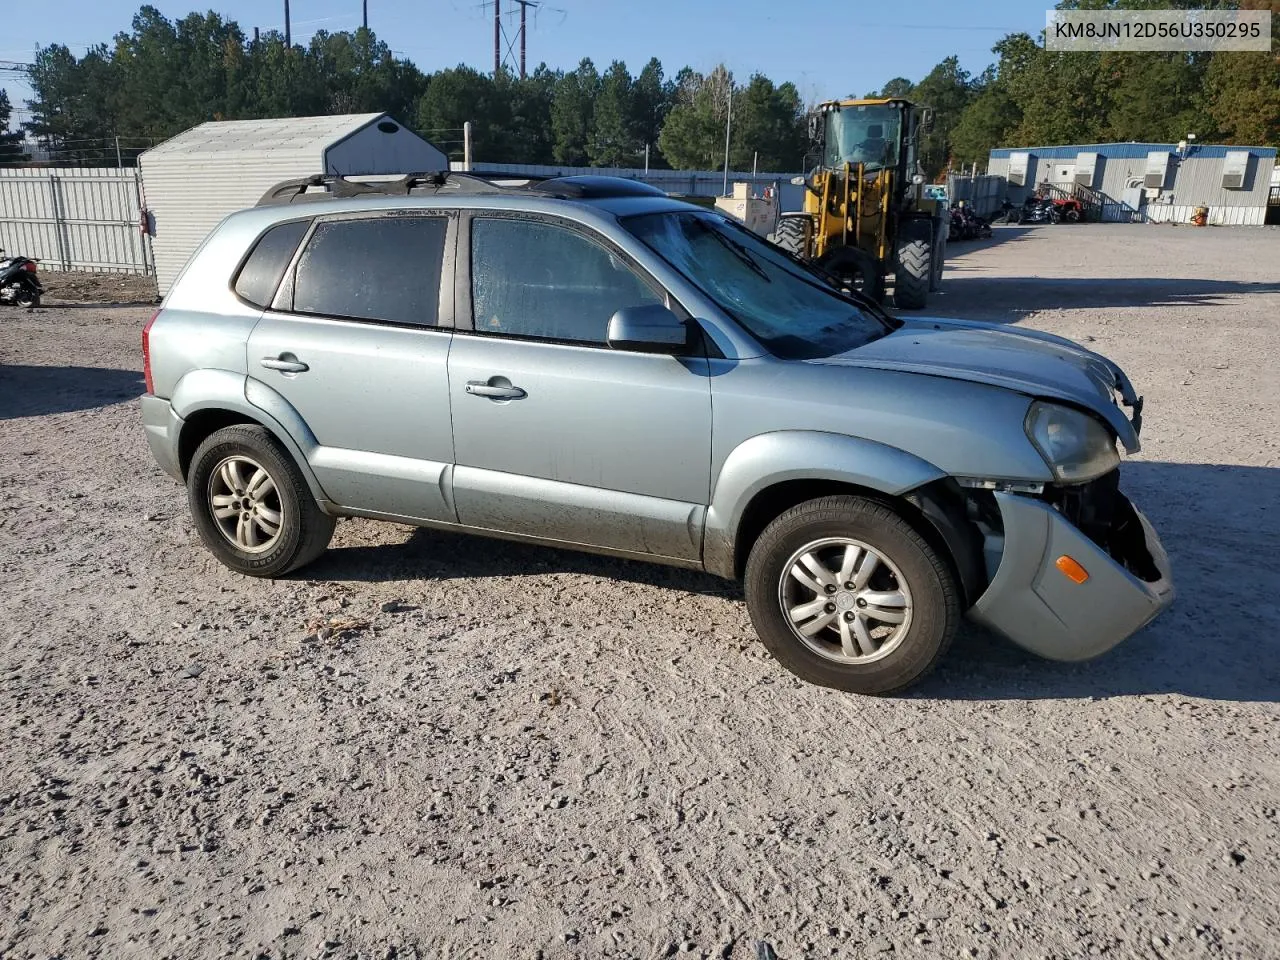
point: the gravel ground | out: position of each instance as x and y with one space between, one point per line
505 751
100 288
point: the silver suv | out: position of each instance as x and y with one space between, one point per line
587 363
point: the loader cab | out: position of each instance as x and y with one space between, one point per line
879 134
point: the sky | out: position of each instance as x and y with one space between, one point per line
783 39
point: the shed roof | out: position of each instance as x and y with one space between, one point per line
1128 151
283 133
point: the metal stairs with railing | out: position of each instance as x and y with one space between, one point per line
1094 204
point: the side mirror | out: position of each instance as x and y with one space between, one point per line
815 126
926 119
650 328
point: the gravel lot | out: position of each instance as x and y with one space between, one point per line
544 754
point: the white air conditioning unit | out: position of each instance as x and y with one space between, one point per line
1086 168
1018 164
1157 169
1234 169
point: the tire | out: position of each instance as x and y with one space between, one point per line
285 530
790 235
908 569
913 271
936 263
1071 215
25 296
855 269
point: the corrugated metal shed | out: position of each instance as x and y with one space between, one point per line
200 176
1119 173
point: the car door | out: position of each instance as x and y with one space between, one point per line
557 436
357 342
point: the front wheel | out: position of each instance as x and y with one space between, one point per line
913 271
855 270
845 593
251 504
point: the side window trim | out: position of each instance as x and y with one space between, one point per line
465 303
446 308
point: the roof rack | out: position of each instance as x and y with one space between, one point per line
331 187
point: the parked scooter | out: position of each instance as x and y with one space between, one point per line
19 283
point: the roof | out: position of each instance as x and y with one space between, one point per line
293 134
1128 151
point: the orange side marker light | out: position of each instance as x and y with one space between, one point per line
1071 569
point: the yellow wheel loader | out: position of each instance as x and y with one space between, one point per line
865 213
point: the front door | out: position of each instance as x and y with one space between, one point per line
557 436
355 345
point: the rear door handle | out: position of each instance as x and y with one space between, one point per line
494 391
284 364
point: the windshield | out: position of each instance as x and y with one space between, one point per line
790 310
866 135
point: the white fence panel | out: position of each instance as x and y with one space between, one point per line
74 218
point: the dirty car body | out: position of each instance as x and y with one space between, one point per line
685 403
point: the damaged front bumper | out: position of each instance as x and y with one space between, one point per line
1039 607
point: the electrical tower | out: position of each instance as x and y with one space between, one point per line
521 35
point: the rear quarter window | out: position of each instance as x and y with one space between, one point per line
267 262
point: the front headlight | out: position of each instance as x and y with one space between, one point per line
1076 446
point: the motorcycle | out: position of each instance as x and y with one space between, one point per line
19 283
967 225
1039 210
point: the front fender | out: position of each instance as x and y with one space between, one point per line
226 390
772 458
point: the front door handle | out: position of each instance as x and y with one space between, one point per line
495 388
285 363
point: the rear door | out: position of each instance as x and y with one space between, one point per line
556 435
357 342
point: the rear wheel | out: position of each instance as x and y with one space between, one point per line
845 593
25 296
790 235
856 270
1071 215
251 504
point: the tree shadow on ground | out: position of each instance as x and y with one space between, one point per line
37 391
1220 641
1009 299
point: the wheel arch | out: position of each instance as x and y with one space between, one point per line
208 400
747 498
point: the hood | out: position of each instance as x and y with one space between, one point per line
1028 361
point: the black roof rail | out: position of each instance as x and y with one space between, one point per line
331 187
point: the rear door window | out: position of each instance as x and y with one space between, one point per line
541 280
382 269
270 258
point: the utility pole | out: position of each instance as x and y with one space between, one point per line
288 35
365 10
728 125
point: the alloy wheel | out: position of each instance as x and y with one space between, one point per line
845 600
245 504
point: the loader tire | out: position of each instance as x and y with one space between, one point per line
790 235
913 271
